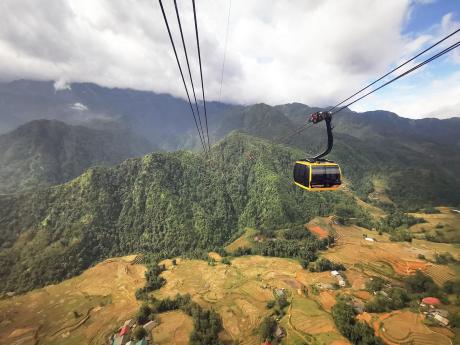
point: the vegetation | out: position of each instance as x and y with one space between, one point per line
169 204
153 280
207 323
375 284
323 264
48 152
267 328
392 299
444 258
357 332
420 285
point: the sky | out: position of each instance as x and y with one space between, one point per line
279 51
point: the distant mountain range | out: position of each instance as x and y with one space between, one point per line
49 152
417 161
57 201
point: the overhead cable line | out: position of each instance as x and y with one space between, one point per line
189 70
396 68
181 73
201 74
225 50
434 57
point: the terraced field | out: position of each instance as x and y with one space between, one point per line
174 328
406 328
240 292
81 310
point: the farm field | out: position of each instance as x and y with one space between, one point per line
386 258
239 293
174 328
81 310
444 226
407 328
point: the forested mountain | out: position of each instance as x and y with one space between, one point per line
48 152
414 162
165 203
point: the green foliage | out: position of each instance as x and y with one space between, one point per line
270 304
47 152
267 328
398 219
355 331
395 298
323 264
421 284
376 283
226 261
400 235
452 286
153 281
444 258
206 323
170 204
139 333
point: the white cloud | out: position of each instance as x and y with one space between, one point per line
79 106
422 93
61 84
314 52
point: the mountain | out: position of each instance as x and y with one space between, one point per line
412 163
162 119
49 152
415 160
163 203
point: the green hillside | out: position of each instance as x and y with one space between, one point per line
48 152
169 204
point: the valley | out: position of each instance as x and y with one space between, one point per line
239 291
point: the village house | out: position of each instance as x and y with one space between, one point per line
441 319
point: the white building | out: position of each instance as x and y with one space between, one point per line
370 239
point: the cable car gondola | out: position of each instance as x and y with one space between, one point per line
317 173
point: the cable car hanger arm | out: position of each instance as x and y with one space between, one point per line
318 117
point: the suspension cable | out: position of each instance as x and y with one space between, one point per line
434 57
201 73
181 73
189 70
396 68
225 50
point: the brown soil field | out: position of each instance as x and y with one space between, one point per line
364 295
103 297
318 231
356 279
384 257
407 327
240 292
174 329
327 300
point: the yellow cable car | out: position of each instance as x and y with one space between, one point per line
317 173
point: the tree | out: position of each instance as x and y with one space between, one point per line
267 328
139 333
375 283
226 261
420 283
